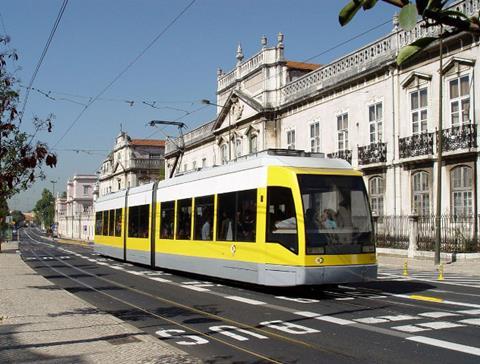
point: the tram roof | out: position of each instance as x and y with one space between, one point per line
270 157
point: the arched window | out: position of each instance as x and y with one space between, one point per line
253 143
224 153
461 182
421 193
376 190
238 147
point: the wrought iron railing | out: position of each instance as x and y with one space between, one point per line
391 231
372 153
416 145
342 154
459 137
459 233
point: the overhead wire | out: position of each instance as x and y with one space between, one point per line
44 53
119 75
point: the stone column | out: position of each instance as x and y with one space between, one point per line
412 240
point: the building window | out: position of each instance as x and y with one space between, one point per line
86 190
462 190
194 165
204 162
238 147
291 139
119 184
418 110
185 166
421 193
224 153
342 131
375 118
376 189
315 137
253 143
460 100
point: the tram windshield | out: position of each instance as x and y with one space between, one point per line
336 214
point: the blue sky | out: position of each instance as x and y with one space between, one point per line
96 40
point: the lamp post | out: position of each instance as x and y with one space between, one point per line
53 187
208 102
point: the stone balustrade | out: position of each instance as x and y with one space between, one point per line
376 53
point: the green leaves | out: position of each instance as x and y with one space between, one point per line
412 49
408 17
348 12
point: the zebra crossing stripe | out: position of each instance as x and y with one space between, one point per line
445 344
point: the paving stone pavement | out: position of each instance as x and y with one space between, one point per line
467 267
42 323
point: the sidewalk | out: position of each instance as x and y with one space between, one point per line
42 323
469 267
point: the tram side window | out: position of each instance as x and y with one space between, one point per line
111 222
166 219
203 219
184 219
138 221
236 216
105 223
281 218
118 222
98 222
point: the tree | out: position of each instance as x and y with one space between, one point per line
433 12
18 217
3 225
45 209
21 155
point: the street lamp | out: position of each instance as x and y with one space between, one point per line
208 102
53 186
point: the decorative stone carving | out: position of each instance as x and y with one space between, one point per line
236 110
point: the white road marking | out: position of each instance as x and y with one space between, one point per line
299 300
195 288
344 299
135 273
158 279
102 263
117 267
382 319
409 328
474 321
245 300
455 303
439 325
437 314
446 345
470 312
371 320
331 319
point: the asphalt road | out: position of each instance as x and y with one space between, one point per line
392 320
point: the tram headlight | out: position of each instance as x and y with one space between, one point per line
368 248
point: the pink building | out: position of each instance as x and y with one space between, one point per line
74 214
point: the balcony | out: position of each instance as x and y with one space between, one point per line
146 163
459 137
342 154
416 145
372 153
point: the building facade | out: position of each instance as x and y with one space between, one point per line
363 107
131 163
74 216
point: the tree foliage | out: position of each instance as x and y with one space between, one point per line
433 12
45 208
22 157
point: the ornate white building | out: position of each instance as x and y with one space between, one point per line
74 216
362 107
131 163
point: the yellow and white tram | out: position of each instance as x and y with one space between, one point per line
279 218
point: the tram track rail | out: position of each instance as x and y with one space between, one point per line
207 335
